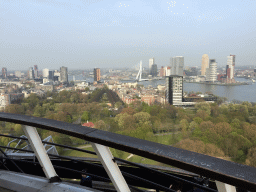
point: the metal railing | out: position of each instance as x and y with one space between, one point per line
217 169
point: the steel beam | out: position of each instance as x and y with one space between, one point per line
111 167
41 154
223 187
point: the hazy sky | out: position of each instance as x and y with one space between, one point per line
82 34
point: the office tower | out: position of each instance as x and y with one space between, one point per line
174 89
153 70
205 64
4 72
36 71
96 73
167 71
151 62
56 75
63 74
51 74
162 72
230 68
31 74
45 75
211 72
18 74
177 64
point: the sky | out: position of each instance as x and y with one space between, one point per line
81 34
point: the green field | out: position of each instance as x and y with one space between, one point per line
167 139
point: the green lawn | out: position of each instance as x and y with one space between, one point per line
74 153
163 139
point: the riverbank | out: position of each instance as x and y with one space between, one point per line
221 84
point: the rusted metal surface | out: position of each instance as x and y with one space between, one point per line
225 171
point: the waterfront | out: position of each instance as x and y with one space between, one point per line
239 92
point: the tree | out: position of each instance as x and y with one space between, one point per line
32 100
128 110
18 130
251 157
14 108
198 120
222 129
236 123
203 107
184 126
192 126
85 117
142 117
199 147
101 125
205 125
125 121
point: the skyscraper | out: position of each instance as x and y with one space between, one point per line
31 74
4 72
205 64
96 73
211 72
177 64
45 75
36 71
153 70
63 74
167 71
151 62
162 71
230 68
174 89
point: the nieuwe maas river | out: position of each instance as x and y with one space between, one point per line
240 92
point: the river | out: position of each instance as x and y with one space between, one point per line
240 92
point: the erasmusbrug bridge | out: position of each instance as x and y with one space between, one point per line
44 170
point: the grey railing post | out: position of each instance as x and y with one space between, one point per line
41 154
223 187
111 167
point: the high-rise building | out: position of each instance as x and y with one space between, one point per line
151 62
205 64
56 75
31 74
230 68
4 72
162 72
45 75
36 71
174 89
177 64
18 74
153 70
5 100
63 74
211 72
96 73
167 71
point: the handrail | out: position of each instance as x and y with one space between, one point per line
121 160
214 168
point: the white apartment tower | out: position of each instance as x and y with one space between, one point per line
151 62
230 69
211 72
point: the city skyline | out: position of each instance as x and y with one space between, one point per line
82 34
